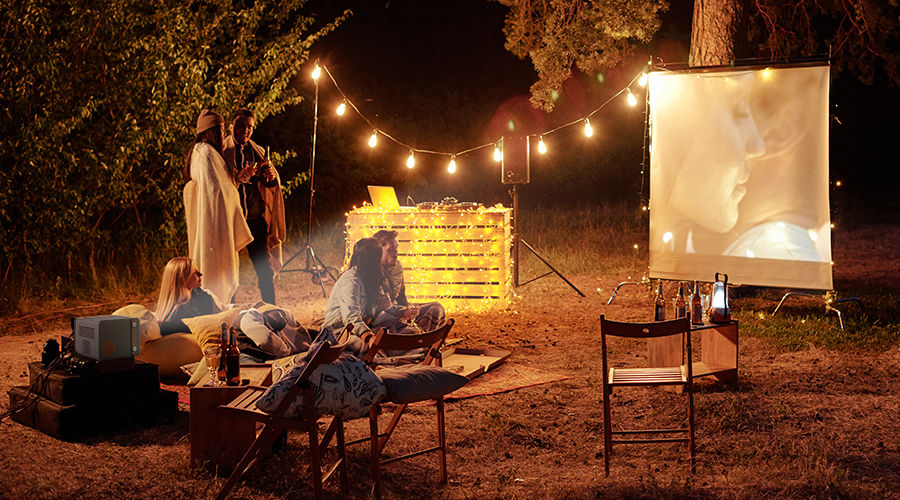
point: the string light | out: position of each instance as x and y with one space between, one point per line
373 139
316 72
632 100
411 161
342 107
643 80
451 167
542 148
498 153
588 131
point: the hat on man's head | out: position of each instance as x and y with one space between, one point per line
207 120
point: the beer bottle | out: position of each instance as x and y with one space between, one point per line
680 306
232 360
696 306
659 309
223 347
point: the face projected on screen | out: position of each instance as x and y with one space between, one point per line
721 137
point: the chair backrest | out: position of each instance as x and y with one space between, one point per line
645 330
324 353
399 341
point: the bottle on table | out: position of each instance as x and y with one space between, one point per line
659 308
696 306
232 358
223 348
680 304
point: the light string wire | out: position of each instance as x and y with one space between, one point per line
416 150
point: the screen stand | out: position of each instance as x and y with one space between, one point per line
828 300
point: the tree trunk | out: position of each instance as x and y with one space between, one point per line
716 28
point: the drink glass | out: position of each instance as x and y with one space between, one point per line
704 306
213 353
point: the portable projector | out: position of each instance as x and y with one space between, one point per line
107 337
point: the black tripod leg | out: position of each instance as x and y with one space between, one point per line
532 250
316 263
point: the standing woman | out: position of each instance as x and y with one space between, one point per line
216 227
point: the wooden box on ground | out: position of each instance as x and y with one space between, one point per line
72 407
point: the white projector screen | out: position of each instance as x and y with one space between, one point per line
739 176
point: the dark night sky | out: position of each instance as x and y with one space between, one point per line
435 75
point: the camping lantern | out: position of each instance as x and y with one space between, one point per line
719 311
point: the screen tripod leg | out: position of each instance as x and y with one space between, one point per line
553 269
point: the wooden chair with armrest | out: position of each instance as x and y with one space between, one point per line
675 376
391 341
244 406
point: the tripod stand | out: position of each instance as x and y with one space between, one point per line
314 265
517 239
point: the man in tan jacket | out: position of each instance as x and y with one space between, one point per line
259 187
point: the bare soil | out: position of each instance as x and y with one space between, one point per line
807 423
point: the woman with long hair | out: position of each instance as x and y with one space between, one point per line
180 295
217 230
357 294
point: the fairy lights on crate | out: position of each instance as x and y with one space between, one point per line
458 256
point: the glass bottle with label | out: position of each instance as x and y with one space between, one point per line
680 305
696 306
223 348
232 357
659 308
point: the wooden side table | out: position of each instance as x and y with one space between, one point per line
217 441
718 351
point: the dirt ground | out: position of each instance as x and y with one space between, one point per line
809 423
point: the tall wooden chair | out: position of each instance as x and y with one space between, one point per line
277 422
677 376
392 341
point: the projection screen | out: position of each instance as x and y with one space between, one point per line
739 176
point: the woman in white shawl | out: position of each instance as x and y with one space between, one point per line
216 227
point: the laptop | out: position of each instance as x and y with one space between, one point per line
384 197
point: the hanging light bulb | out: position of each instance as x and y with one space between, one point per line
498 153
451 167
632 100
411 161
642 81
588 131
542 148
342 107
316 72
373 139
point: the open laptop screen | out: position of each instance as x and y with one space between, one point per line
383 197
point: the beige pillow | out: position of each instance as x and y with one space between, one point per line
208 329
149 326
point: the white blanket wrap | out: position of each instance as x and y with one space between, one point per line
215 223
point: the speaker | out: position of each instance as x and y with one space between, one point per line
516 163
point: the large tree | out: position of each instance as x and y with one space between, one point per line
99 101
860 35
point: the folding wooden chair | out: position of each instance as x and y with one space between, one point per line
244 406
678 376
392 341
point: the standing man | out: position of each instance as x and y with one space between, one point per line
429 316
260 192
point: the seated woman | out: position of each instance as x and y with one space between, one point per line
180 297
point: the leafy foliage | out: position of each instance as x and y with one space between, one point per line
98 108
590 34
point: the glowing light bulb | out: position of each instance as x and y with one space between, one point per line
498 153
373 139
767 73
411 161
316 72
342 107
643 79
588 131
451 167
632 100
542 148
